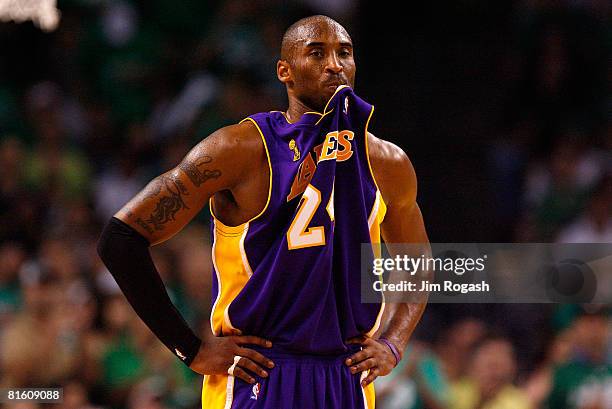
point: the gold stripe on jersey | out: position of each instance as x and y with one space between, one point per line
230 259
379 210
233 272
217 391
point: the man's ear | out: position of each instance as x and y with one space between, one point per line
283 71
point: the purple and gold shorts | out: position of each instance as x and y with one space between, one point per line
295 382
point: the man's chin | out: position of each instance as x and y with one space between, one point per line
328 92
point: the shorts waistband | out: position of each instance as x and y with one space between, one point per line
280 353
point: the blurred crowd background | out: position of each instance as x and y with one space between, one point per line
505 109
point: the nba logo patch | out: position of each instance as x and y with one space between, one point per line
255 391
345 110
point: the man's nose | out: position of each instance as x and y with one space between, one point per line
333 64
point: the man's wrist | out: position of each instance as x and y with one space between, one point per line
188 354
394 350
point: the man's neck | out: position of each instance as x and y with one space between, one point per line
296 109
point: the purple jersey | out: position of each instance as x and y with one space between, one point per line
292 273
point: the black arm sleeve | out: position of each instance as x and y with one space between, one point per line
125 252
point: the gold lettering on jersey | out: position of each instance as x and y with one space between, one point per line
344 141
304 176
336 146
330 147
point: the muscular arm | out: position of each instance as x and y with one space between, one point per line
403 223
220 163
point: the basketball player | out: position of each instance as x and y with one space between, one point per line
293 196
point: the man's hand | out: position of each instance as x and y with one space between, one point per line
216 356
375 356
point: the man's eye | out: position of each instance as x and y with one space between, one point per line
345 53
316 53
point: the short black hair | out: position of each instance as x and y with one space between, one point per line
291 36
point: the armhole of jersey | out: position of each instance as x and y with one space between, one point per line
211 200
367 148
377 214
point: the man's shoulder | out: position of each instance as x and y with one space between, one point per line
392 170
244 131
241 138
386 156
385 152
235 149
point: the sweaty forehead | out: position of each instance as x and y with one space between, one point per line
320 32
315 29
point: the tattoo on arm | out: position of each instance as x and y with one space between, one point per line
170 201
168 205
196 175
144 225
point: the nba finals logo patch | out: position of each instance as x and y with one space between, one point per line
294 148
255 391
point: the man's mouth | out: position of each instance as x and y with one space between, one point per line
334 84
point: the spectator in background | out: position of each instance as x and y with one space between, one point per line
20 209
585 380
418 382
424 379
12 256
146 396
75 396
539 383
54 167
595 224
37 347
555 192
455 346
194 267
116 185
489 380
136 368
122 364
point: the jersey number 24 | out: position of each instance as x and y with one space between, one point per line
299 234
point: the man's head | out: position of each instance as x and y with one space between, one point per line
316 57
591 335
493 365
